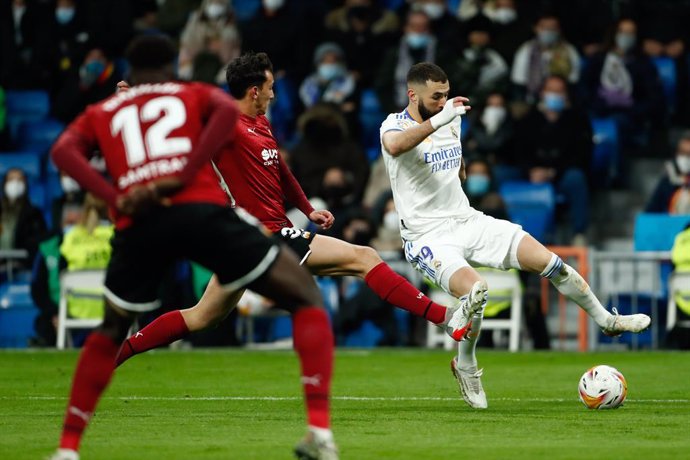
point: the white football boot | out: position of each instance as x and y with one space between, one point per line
459 319
64 454
617 324
470 383
315 447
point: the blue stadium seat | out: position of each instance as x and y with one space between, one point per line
530 205
606 150
656 232
283 109
39 135
370 117
17 314
666 67
37 194
25 106
245 9
367 336
29 162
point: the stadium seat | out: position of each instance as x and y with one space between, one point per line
86 279
657 232
29 162
370 117
283 109
37 194
606 149
530 205
17 314
666 68
245 9
367 336
25 106
39 135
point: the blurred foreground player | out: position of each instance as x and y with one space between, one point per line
157 140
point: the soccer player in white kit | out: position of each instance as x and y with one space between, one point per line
444 238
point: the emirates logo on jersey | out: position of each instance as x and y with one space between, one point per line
270 156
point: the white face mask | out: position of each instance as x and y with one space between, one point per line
504 15
273 4
14 188
69 185
492 117
433 10
391 220
215 10
683 162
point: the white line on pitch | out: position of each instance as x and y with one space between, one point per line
336 398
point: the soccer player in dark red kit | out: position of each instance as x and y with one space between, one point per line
157 139
258 180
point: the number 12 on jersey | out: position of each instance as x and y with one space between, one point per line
167 113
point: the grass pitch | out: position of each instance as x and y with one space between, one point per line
388 404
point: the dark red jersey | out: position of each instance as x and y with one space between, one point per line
148 132
256 175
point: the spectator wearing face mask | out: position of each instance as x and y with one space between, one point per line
547 54
94 81
387 239
479 70
326 161
331 83
491 138
510 30
672 193
364 31
19 21
554 144
66 209
623 83
444 24
481 192
416 45
21 224
209 41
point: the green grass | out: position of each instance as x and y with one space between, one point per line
187 405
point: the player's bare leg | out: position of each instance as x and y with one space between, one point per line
334 257
313 341
534 257
91 377
468 286
212 308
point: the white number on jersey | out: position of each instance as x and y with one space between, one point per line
168 112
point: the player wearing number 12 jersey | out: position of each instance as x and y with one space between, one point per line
157 140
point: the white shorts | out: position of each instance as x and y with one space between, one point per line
480 241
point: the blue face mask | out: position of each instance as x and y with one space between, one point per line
330 71
90 72
554 102
417 41
477 184
63 15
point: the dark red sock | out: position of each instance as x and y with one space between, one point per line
313 340
163 330
395 289
95 367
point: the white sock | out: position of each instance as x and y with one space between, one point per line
573 286
466 356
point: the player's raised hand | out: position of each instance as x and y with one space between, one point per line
452 109
122 86
322 218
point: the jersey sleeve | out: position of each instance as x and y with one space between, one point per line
392 123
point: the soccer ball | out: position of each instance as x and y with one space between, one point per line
602 387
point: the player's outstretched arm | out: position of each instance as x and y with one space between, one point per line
399 142
70 154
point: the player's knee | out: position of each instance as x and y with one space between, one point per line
364 259
198 318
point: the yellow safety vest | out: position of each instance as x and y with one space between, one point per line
680 256
87 251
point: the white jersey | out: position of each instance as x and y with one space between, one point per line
425 180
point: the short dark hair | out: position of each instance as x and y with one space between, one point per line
246 71
424 71
151 52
